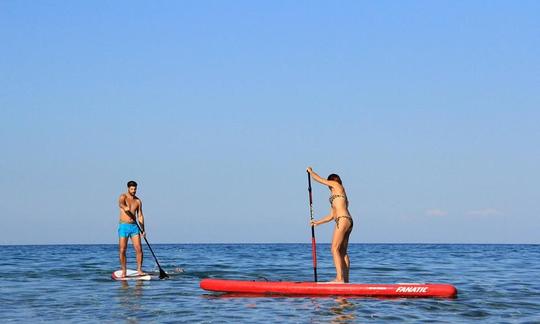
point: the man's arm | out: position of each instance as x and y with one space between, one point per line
141 216
124 206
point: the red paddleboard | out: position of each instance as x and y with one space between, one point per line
329 289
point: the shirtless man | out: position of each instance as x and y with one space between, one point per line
130 207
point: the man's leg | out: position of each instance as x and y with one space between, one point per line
136 239
122 246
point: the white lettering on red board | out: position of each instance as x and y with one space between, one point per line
412 290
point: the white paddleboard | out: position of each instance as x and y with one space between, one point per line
130 275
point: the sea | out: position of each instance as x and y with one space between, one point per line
72 283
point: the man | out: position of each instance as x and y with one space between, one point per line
130 208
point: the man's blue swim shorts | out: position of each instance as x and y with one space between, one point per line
128 230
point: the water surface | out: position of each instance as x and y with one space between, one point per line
71 283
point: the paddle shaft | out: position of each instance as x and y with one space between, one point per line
313 242
162 274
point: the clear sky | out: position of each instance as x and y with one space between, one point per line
429 111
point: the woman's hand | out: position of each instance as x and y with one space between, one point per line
313 223
309 170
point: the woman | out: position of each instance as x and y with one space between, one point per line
340 214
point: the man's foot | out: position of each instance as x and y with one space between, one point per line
141 273
123 274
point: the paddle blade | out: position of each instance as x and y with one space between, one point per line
162 274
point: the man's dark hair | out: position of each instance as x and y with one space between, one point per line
132 184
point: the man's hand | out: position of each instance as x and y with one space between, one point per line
129 213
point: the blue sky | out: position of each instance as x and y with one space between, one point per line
428 110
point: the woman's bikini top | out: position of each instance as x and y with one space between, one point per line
338 196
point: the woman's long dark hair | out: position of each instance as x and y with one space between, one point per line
335 177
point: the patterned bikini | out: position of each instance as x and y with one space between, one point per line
332 197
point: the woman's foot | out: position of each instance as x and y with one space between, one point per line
334 282
337 281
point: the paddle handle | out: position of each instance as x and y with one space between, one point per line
313 242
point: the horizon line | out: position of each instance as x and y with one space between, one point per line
274 243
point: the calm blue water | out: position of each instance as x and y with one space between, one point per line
71 283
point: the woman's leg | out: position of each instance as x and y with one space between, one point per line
346 260
337 244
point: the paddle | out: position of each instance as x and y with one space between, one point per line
313 243
162 274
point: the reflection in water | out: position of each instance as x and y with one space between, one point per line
129 297
343 311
